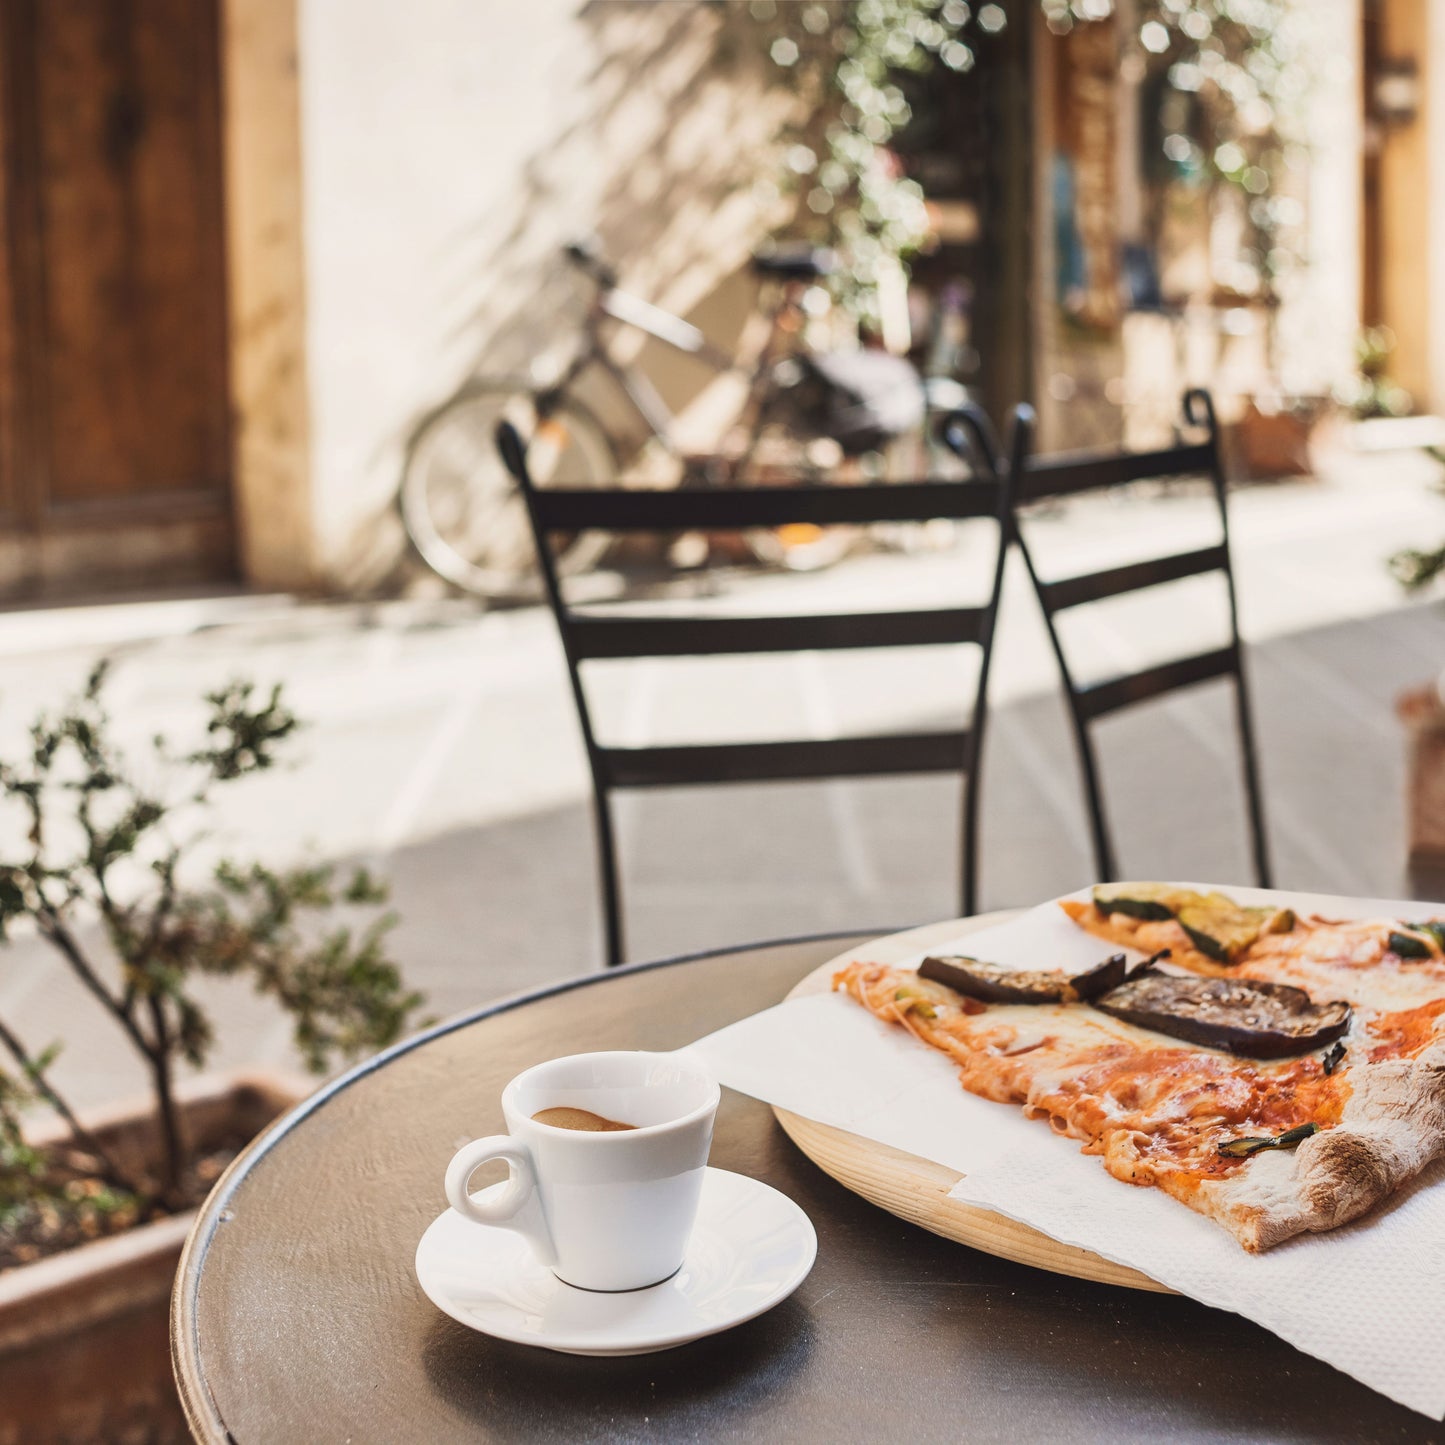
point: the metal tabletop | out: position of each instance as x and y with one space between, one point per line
297 1317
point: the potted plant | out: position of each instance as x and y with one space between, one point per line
93 1210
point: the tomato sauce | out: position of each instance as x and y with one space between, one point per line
1174 1107
1153 1113
1402 1035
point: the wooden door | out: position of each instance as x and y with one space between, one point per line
114 439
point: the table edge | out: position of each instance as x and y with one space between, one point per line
202 1415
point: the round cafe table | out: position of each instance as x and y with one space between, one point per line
297 1316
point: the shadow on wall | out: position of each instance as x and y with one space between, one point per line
662 153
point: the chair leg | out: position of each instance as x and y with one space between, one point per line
1250 768
1098 830
607 877
968 862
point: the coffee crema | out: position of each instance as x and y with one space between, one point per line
566 1117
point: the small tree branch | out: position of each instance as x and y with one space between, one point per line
53 927
110 910
165 1100
343 993
160 914
82 1136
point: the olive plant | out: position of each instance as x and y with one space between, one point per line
108 840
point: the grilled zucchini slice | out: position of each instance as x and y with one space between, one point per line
1217 926
1222 929
1152 902
1416 943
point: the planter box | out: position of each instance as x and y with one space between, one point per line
84 1344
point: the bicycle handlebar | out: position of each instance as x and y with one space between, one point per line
586 255
632 310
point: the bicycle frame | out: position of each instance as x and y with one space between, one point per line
612 303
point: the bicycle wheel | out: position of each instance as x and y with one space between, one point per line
806 548
460 507
774 452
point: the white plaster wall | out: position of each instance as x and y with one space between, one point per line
450 147
1321 317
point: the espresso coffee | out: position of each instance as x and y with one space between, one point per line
565 1117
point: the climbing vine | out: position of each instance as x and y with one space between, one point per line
1229 95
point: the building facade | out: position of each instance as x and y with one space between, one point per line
248 243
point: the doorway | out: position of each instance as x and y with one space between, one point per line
115 448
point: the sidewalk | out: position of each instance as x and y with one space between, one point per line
442 747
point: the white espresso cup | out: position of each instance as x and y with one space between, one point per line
602 1210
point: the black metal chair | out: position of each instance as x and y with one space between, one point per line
1036 478
587 637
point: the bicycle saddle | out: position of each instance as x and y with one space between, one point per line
794 261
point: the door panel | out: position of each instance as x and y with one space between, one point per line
9 320
114 108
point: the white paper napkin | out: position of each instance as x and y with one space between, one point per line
1369 1298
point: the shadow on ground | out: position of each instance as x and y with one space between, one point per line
515 903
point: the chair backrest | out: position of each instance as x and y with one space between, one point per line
588 637
1036 478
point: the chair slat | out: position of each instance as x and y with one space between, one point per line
602 637
1036 478
1107 697
575 509
1057 476
666 767
591 634
1071 591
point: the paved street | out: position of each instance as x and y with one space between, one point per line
442 747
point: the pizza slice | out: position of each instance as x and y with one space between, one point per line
1289 1091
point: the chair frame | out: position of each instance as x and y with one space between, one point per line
1037 478
585 638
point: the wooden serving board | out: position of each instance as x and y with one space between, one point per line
917 1189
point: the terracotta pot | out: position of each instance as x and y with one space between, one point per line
1271 444
1423 713
84 1346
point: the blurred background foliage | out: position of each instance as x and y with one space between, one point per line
1222 76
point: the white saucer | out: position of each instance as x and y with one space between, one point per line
751 1248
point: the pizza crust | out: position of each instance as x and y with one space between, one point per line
1393 1126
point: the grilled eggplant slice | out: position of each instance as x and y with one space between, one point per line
1101 978
1153 902
1222 929
992 983
1241 1016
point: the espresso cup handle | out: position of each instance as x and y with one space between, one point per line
517 1207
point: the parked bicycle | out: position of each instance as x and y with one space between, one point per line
805 412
